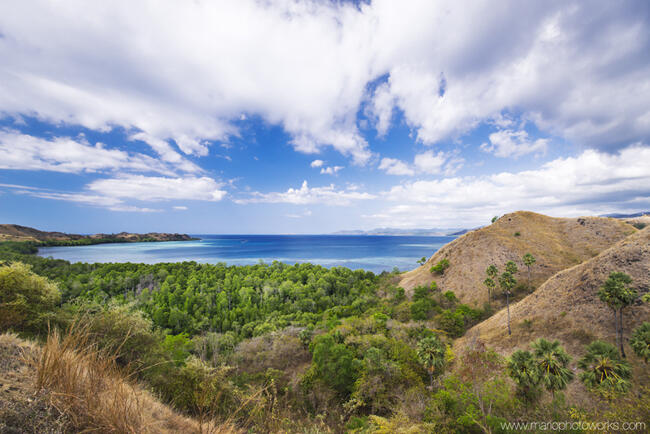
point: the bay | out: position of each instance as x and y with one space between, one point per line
374 253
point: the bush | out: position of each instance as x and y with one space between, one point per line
121 330
27 301
440 267
640 341
421 309
335 364
451 322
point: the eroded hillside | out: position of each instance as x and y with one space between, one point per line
556 243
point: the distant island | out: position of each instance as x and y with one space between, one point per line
433 232
11 232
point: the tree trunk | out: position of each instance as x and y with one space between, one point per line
620 331
528 277
616 327
508 307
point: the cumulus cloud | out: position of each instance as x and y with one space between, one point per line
427 162
317 163
64 154
327 195
509 143
591 183
393 166
331 170
181 74
154 188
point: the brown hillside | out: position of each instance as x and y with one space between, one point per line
566 306
556 243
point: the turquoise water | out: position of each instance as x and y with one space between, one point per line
373 253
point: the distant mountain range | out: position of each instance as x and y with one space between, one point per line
627 216
433 232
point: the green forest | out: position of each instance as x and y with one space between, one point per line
304 348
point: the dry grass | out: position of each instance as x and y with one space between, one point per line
86 385
557 243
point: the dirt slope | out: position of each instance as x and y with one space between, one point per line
566 306
556 243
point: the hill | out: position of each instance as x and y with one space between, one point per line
11 232
566 306
556 243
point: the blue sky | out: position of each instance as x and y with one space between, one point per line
312 117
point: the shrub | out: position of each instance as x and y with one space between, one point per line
640 341
121 330
27 301
440 267
335 364
451 322
517 234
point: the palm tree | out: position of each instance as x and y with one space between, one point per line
603 368
618 295
431 353
507 282
490 286
640 341
552 364
528 260
492 272
524 371
511 267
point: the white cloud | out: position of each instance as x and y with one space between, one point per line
426 162
112 193
317 163
509 143
327 195
577 70
180 208
152 188
113 204
393 166
64 154
333 170
592 183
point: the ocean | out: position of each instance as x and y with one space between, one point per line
374 253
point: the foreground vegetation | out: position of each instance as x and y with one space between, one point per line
276 347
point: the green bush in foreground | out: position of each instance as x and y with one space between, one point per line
27 301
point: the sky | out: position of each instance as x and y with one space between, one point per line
297 116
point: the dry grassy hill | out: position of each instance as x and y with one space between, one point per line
556 243
62 387
566 306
